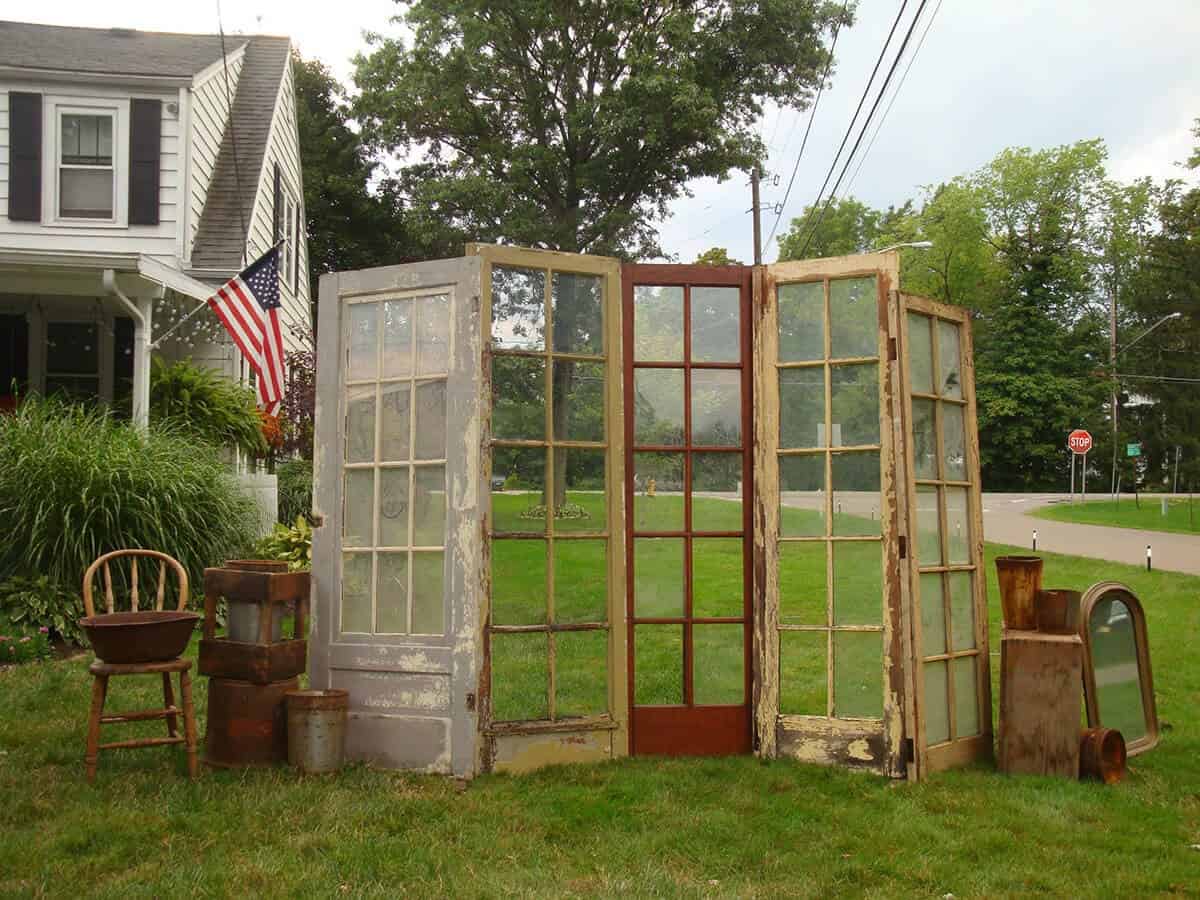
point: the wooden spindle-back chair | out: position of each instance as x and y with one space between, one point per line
101 671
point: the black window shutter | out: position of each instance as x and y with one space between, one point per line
145 139
24 157
277 231
296 251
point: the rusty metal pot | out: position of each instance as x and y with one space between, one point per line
316 727
139 637
1102 754
1020 578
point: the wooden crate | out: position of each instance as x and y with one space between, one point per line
1041 696
256 663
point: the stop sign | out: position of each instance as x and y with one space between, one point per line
1079 441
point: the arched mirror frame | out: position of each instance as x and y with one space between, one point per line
1094 595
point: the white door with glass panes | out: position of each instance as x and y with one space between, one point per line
397 488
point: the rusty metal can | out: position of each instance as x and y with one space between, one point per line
316 726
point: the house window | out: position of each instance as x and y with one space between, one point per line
86 174
73 359
288 248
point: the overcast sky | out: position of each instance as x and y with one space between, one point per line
990 74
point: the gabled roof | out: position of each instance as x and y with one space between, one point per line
221 233
110 51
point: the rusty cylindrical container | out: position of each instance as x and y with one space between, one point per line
1020 579
241 619
316 724
1058 611
247 723
1102 754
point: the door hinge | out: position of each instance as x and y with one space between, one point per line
903 547
891 348
910 751
471 701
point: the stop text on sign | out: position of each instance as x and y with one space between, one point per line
1079 441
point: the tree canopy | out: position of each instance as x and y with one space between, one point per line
572 126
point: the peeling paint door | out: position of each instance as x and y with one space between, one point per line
689 498
831 656
949 621
396 557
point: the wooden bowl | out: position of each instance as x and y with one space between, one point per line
140 637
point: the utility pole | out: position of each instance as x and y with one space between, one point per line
755 177
1112 362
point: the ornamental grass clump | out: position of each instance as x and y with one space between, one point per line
76 483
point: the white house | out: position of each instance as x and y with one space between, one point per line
138 171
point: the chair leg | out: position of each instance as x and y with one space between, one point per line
168 702
99 692
189 723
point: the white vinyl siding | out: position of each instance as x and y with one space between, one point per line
79 235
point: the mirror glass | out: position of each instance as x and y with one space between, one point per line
1115 669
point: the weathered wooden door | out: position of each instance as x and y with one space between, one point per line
552 688
949 606
689 496
831 661
397 555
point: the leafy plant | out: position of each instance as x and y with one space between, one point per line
76 483
295 480
34 603
291 545
206 405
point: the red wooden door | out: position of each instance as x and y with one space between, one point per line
688 483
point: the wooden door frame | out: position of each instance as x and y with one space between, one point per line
879 745
957 751
434 713
528 744
689 729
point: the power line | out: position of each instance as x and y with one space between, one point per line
812 115
1168 378
853 119
895 94
866 124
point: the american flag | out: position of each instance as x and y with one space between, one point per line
248 307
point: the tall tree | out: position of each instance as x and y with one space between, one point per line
572 126
847 226
717 256
354 218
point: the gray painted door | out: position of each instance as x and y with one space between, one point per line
398 492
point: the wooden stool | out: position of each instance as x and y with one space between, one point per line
101 671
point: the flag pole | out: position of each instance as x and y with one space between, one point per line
203 303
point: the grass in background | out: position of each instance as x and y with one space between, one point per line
1183 516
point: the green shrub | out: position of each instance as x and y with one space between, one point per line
76 483
30 604
206 405
20 646
291 545
295 479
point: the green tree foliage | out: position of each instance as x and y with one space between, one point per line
572 126
847 226
354 218
1168 281
717 256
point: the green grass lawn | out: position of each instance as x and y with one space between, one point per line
688 827
1146 514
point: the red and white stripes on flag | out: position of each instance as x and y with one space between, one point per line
248 307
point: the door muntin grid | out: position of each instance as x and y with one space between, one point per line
548 630
830 541
688 495
397 349
952 663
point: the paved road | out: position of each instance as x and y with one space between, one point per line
1006 521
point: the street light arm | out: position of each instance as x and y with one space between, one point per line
916 245
1166 318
